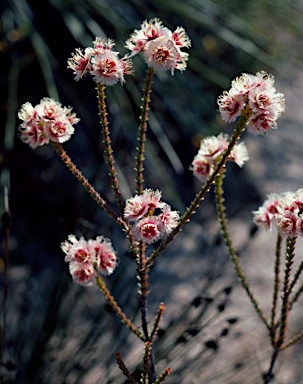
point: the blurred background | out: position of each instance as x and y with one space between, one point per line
55 332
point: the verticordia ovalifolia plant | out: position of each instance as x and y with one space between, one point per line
252 101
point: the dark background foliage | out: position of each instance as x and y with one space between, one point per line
45 202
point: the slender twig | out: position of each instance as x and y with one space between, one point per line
107 146
276 288
293 340
146 362
296 276
163 376
124 369
290 254
143 291
158 318
268 376
296 296
246 113
142 130
231 250
101 284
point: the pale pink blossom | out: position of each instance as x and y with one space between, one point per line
82 274
160 46
264 216
169 219
106 258
148 229
287 223
285 209
107 68
47 121
102 62
210 150
141 205
231 106
152 218
80 62
87 258
202 167
150 30
258 92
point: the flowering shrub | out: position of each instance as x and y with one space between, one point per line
252 101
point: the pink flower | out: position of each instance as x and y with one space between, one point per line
150 225
169 219
105 255
149 31
102 62
148 229
160 46
87 258
82 274
47 121
259 93
286 209
287 223
141 205
264 216
80 62
202 167
231 106
210 149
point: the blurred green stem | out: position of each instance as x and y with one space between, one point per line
276 288
232 253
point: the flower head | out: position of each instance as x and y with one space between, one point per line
87 258
257 92
210 149
152 218
160 46
102 62
47 121
285 209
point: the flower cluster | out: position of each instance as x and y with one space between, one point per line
47 121
101 62
149 226
210 149
257 91
161 48
87 258
286 209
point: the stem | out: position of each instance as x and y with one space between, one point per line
293 340
124 369
111 301
163 376
95 195
143 283
276 288
146 361
107 146
158 318
232 253
269 375
142 131
246 113
297 275
291 242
